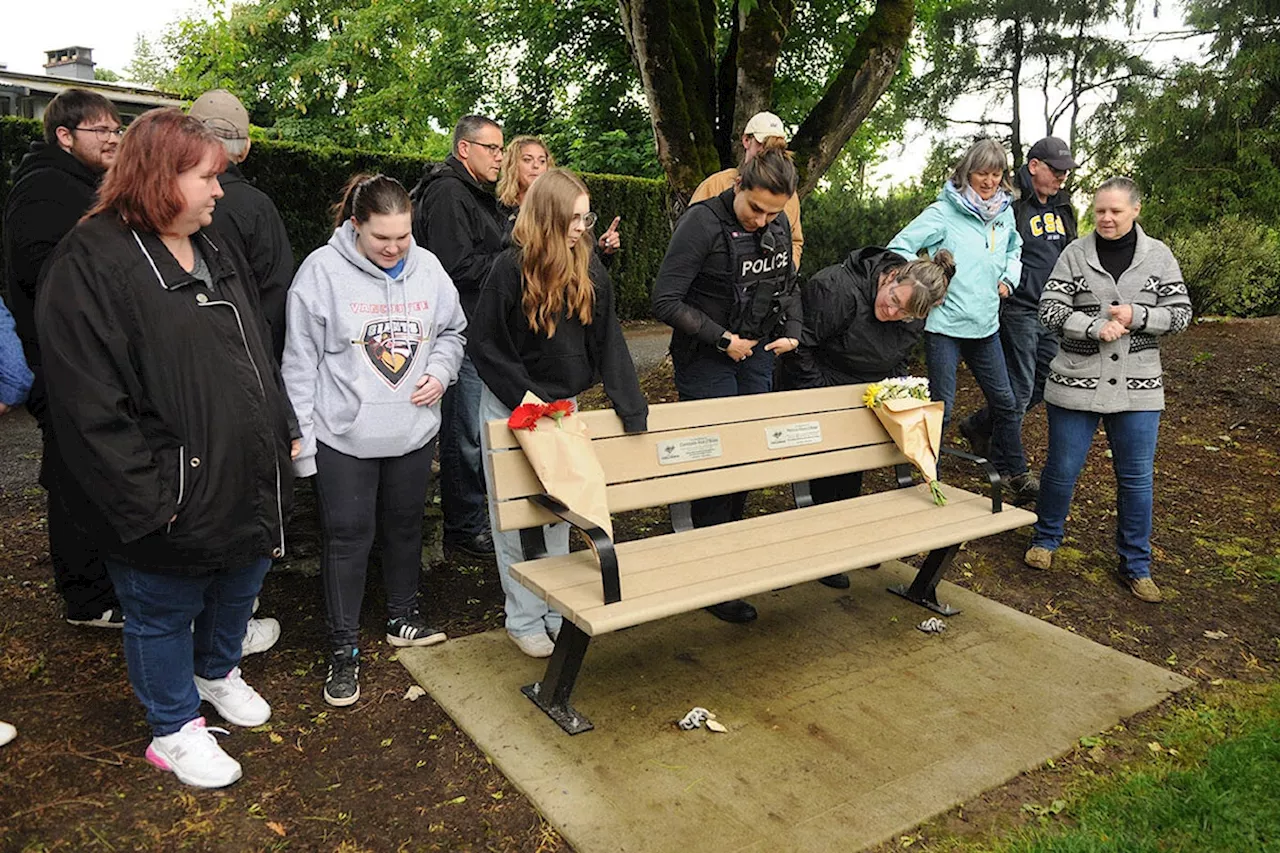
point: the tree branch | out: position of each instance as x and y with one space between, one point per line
726 96
850 97
762 29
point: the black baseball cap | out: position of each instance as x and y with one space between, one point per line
1053 151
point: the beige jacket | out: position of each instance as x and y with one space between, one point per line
721 181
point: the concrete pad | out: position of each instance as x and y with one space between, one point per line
846 725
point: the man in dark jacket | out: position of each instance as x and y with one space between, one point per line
245 215
53 187
1047 223
456 217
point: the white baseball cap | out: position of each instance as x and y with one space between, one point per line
764 125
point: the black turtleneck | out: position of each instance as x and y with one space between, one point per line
1117 255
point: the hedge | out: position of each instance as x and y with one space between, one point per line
304 181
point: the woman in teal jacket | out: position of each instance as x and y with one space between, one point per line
973 219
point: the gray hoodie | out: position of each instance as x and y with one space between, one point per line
357 343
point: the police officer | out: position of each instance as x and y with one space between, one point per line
727 287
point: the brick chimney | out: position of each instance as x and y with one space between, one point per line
74 63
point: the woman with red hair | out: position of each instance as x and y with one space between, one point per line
169 407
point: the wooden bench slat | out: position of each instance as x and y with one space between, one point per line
635 457
604 423
687 571
520 513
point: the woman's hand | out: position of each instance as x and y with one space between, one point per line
610 241
428 392
782 346
739 348
295 447
1111 331
1004 290
1122 314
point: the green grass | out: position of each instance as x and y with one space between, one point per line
1211 784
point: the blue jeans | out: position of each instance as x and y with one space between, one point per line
527 614
461 469
162 651
986 363
1028 349
1132 439
709 376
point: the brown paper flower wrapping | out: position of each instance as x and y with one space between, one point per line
916 427
560 454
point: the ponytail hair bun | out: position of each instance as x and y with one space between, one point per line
946 263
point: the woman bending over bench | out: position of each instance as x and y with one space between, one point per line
862 318
545 323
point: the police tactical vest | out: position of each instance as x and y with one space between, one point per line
760 263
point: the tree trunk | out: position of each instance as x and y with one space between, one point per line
1015 89
761 33
673 43
850 97
696 123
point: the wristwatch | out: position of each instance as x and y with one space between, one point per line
723 343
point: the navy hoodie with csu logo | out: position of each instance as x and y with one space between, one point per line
357 342
1046 229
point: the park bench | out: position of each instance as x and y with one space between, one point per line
703 448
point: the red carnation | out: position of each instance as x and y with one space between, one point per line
525 416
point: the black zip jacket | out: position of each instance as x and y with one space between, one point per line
511 358
166 400
843 343
1046 229
51 191
458 220
246 216
695 289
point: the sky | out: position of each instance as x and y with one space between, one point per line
111 28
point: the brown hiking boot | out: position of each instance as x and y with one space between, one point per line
1145 589
1038 558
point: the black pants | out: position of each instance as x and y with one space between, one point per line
357 496
75 527
841 487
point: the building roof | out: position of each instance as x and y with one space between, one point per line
133 93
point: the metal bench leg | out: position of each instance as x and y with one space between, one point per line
551 694
923 589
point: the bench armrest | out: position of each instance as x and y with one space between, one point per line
600 542
993 476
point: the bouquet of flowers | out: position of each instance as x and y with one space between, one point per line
913 422
562 457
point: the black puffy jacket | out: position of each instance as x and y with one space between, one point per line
843 343
166 399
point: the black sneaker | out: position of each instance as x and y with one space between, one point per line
342 687
112 617
979 442
1024 488
736 610
480 545
413 630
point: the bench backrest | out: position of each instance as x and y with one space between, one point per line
702 448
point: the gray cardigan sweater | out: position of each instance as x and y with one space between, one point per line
1124 375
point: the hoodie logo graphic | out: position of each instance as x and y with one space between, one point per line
391 346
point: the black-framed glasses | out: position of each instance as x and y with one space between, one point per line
495 150
588 219
103 133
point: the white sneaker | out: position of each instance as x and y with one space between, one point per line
236 701
194 756
259 635
7 732
537 645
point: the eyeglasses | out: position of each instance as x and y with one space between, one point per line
588 219
103 133
495 150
